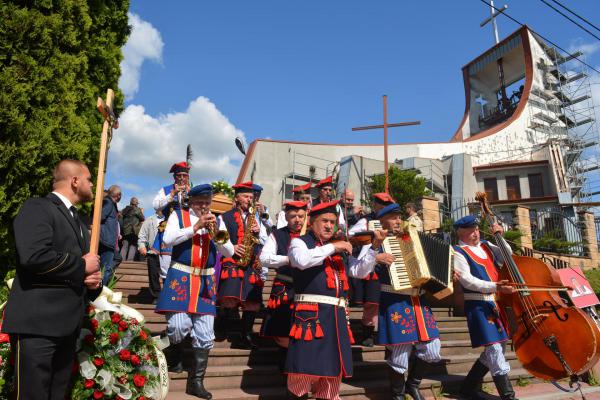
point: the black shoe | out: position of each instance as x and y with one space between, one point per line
292 396
471 386
176 358
396 384
246 341
367 336
415 376
195 381
504 387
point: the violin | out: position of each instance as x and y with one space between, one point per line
552 338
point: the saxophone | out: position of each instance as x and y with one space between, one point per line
249 240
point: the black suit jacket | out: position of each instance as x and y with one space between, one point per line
48 296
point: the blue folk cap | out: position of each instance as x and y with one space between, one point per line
257 188
201 190
470 221
392 208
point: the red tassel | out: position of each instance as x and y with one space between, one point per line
375 276
318 331
224 274
240 274
308 336
278 301
350 335
234 273
368 277
330 283
252 279
298 334
293 331
285 298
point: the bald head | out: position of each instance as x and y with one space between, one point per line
72 179
348 197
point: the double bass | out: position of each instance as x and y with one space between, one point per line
552 338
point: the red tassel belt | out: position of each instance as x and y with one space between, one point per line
276 300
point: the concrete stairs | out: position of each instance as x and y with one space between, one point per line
243 374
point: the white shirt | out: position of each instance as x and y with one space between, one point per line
161 199
360 226
302 257
269 257
175 235
416 221
467 280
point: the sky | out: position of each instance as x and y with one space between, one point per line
205 72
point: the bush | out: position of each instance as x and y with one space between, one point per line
593 276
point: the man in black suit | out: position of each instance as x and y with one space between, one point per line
56 276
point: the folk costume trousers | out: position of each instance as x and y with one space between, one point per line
43 366
321 387
493 358
426 351
199 326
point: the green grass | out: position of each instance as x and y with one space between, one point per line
593 276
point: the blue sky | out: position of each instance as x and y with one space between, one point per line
304 70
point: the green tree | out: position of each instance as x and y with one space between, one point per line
405 185
56 58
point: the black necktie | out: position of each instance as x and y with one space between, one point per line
76 218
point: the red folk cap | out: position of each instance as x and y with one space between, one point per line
325 182
243 187
303 188
179 167
295 205
383 198
323 208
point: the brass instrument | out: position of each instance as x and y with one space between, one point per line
217 236
249 240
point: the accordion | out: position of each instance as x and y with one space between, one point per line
421 261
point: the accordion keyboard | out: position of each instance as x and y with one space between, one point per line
398 272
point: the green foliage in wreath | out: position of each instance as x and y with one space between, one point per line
223 187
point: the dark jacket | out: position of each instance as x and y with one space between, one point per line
48 296
132 220
109 223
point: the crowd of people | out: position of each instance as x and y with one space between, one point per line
205 268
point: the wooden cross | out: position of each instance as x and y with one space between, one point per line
110 123
385 126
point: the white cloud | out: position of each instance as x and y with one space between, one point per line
144 43
144 147
586 48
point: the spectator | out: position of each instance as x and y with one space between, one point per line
146 239
109 231
413 217
133 217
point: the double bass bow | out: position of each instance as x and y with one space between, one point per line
553 339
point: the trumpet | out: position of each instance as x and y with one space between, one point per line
218 236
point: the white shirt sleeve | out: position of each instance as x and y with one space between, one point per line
269 257
281 221
360 226
262 234
221 224
302 257
226 249
363 265
467 280
161 199
174 234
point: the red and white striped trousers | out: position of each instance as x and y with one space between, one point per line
321 387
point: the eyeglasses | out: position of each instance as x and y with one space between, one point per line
182 174
327 189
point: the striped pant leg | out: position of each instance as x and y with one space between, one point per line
429 351
179 325
398 358
203 333
327 388
493 358
300 385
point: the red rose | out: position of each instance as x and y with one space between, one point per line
135 359
89 383
124 355
98 394
133 321
143 335
89 309
94 324
141 398
89 339
98 362
115 318
123 325
113 338
139 380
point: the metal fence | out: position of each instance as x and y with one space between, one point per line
554 230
